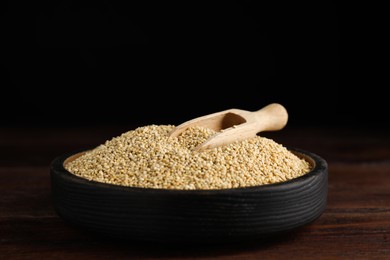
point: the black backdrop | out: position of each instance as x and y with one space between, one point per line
106 62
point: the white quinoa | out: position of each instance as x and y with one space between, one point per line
145 157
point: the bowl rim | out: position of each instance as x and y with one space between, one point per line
319 165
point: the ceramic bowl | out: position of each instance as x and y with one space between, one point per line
190 216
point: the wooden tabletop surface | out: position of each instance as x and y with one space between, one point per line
355 224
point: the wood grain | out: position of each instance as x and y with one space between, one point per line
355 224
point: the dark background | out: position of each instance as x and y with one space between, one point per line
73 63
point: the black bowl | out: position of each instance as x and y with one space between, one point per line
190 216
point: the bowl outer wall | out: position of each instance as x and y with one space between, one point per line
192 216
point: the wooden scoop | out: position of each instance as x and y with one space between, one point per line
236 125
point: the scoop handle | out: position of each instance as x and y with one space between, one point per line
271 117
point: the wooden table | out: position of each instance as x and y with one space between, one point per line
356 223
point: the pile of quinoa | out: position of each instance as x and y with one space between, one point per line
145 157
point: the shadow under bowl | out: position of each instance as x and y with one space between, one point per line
190 216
